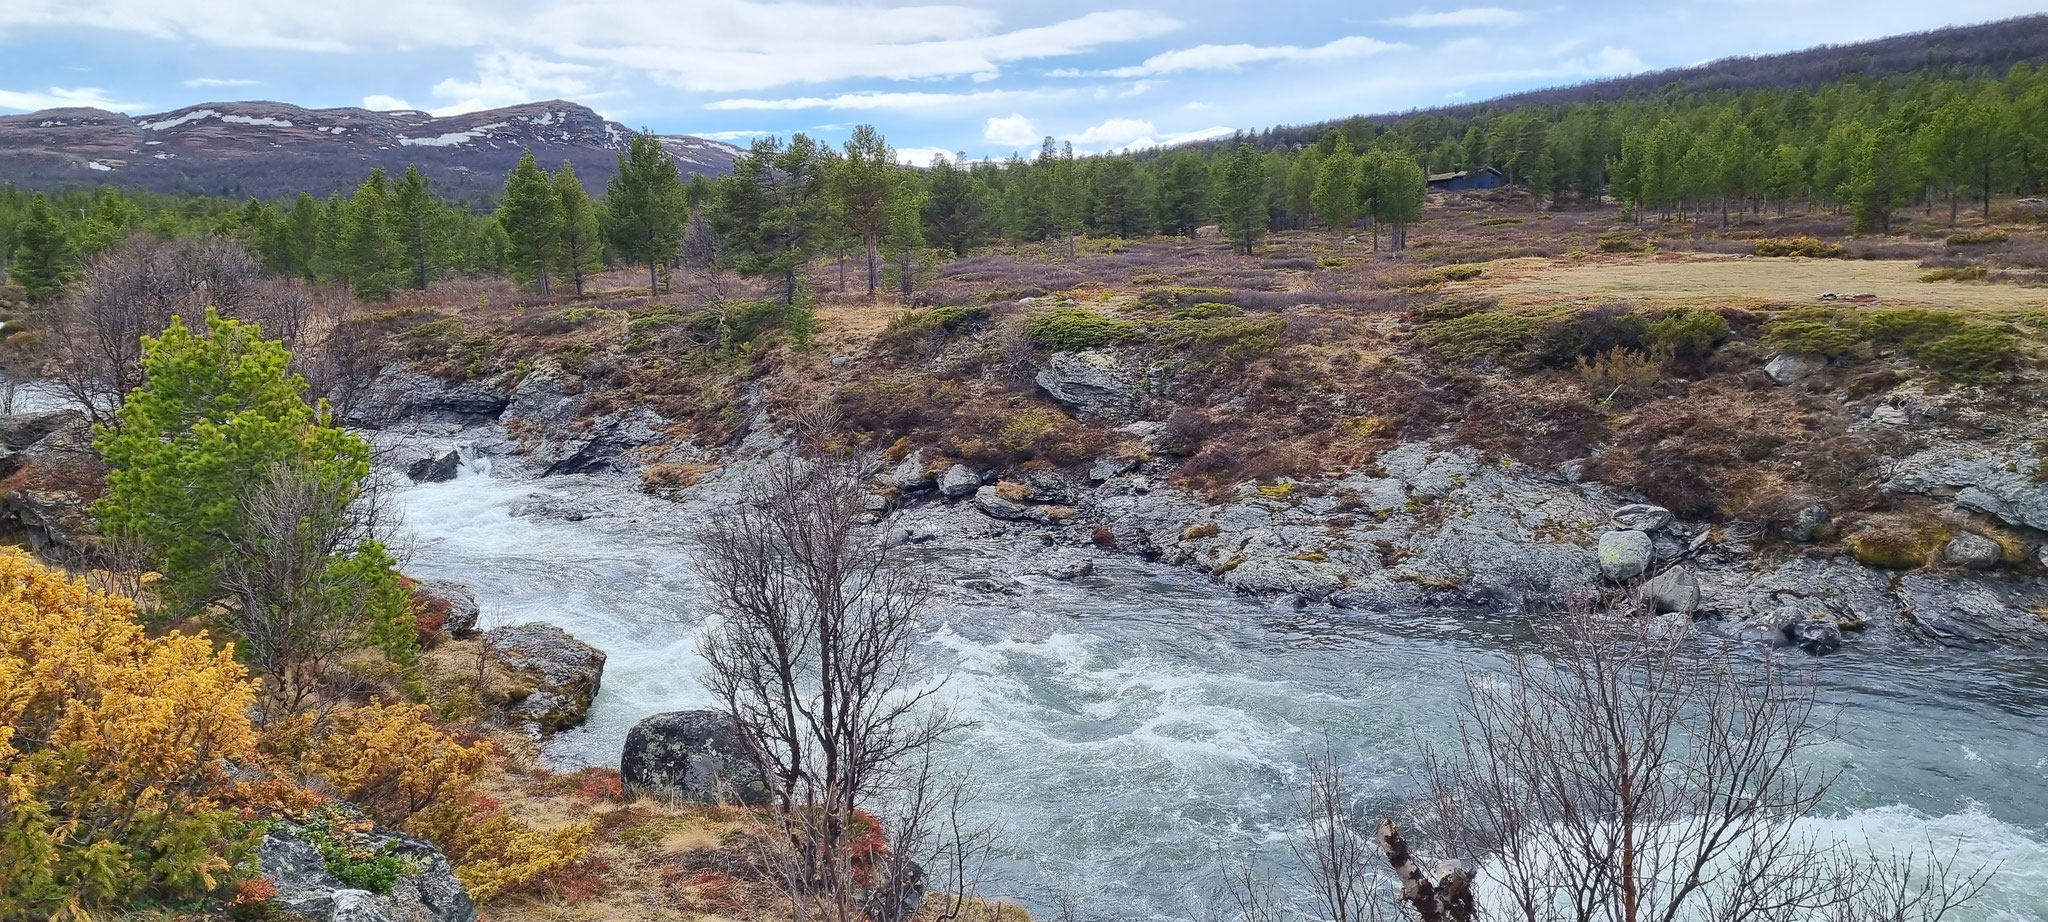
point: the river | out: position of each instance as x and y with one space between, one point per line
1138 729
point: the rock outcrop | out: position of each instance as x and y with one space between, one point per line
691 756
562 672
461 614
1094 383
2009 485
427 892
439 466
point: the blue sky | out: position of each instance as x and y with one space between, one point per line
987 77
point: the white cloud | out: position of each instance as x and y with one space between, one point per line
1012 130
508 78
197 82
1114 134
1197 106
378 102
1477 17
868 100
700 45
920 156
60 98
1230 57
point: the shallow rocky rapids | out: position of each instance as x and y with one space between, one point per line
1140 724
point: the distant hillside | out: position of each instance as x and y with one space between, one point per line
275 150
1990 48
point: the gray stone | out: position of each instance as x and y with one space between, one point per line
55 521
463 611
543 400
1971 550
909 475
2002 486
1105 468
691 756
1640 517
439 467
1814 633
1624 555
1805 524
562 671
470 401
996 507
958 481
1789 367
1094 383
1975 612
427 891
1674 590
1057 563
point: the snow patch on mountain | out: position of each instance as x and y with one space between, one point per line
169 123
454 138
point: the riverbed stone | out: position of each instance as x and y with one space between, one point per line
691 757
959 481
910 474
1971 551
1624 554
1976 612
1814 633
562 672
1674 590
992 504
463 610
439 466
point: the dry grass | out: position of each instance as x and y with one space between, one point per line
1706 280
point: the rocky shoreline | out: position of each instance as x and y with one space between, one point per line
1427 527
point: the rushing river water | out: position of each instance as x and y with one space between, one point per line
1139 729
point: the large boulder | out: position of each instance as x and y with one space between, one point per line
1625 554
439 466
562 672
427 892
910 474
691 756
1789 367
959 481
1094 383
1674 590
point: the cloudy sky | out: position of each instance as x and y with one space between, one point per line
983 76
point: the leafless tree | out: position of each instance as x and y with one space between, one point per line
133 291
294 607
812 657
1617 774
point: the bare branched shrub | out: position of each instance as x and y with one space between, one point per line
812 657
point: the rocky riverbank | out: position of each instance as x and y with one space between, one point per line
1427 526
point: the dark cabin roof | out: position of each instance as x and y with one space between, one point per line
1461 174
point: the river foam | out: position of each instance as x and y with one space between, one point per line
1137 729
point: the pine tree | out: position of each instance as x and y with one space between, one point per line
904 241
956 207
372 260
416 223
862 181
644 207
42 253
581 250
1402 188
532 219
770 209
329 262
1336 191
1117 200
1184 193
1241 202
303 223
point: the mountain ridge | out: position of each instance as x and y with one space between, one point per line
232 148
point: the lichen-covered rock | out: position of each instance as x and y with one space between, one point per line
1094 383
427 892
1806 524
562 672
909 475
2005 484
1789 367
462 612
1640 517
691 756
1625 555
1972 551
995 506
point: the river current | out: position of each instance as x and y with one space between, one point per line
1139 729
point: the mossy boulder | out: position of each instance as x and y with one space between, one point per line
1898 543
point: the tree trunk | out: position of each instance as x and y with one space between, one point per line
874 249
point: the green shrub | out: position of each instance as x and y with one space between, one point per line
1621 241
1224 337
1814 331
1569 335
1687 331
1451 308
1956 274
1207 310
912 330
1150 278
1172 297
1499 222
1438 277
1975 354
1977 238
1909 326
348 859
1798 246
1488 335
1070 329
